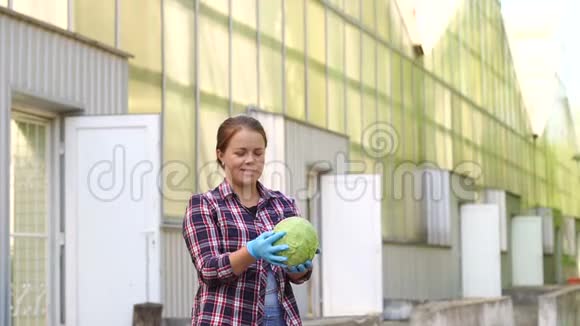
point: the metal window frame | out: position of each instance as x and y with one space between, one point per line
54 232
118 24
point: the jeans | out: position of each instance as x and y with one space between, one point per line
273 316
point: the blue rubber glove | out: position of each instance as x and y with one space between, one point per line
301 268
262 248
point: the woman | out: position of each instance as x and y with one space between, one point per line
242 280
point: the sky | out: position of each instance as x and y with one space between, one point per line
557 53
570 69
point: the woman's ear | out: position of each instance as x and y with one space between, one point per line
219 154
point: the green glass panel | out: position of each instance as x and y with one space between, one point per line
271 19
219 6
336 105
368 13
271 78
212 112
213 60
244 72
95 20
244 12
335 42
53 12
140 35
316 40
369 59
295 87
354 113
352 55
384 71
352 8
294 25
369 116
397 77
397 123
316 94
383 18
407 83
179 150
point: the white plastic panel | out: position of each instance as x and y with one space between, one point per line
436 204
527 253
351 245
498 197
112 217
569 236
480 251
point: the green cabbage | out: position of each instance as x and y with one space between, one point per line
300 237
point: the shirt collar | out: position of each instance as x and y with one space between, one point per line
227 190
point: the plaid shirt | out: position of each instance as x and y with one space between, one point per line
215 225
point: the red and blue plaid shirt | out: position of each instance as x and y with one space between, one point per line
215 225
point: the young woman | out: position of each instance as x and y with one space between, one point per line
242 280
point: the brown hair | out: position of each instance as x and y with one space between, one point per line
231 126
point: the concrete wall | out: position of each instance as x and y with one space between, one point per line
482 312
560 307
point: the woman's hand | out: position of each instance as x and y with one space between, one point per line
301 268
262 248
298 273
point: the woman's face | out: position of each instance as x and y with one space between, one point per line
243 159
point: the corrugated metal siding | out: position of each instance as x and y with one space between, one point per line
179 276
422 272
47 64
58 68
305 145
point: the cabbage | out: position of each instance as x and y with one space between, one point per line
300 237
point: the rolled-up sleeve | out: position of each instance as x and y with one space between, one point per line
303 279
202 238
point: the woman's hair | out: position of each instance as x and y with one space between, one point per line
231 126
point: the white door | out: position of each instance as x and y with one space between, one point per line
480 251
527 251
351 246
112 208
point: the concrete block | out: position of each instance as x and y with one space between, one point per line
560 307
482 312
369 320
147 314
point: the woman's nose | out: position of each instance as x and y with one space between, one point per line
250 158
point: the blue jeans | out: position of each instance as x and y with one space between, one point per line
273 316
